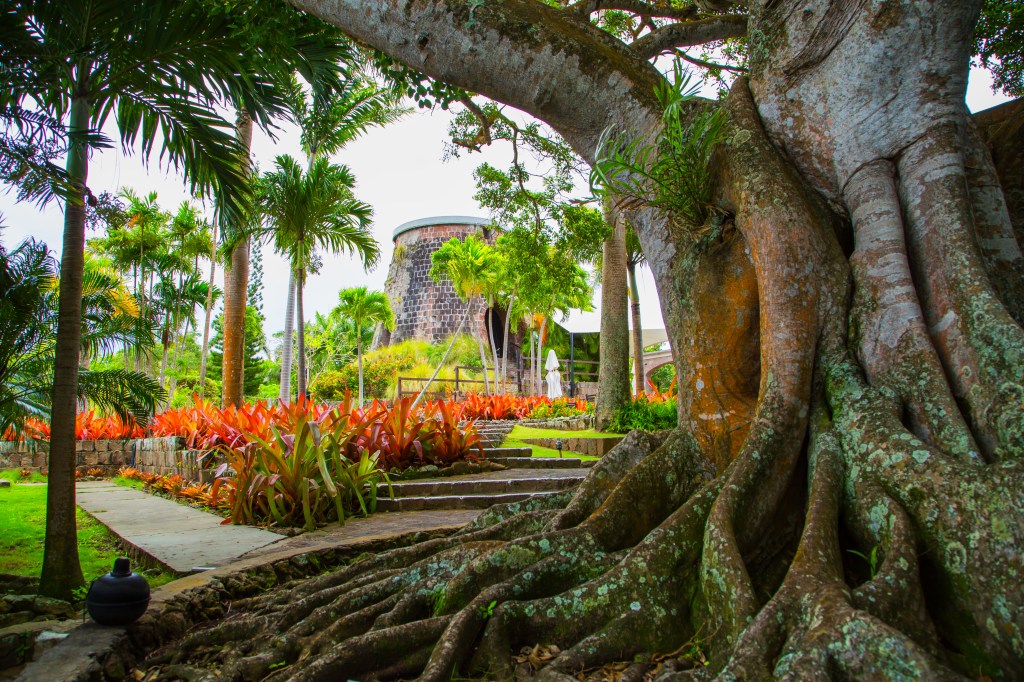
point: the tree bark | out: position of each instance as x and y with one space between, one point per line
359 360
638 332
508 320
61 570
205 354
480 344
848 244
286 345
301 325
613 369
236 286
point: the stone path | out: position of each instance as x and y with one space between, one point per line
182 538
188 540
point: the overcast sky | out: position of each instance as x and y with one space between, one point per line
400 173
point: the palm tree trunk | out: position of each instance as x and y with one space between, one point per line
236 285
533 375
209 314
359 361
489 317
539 366
504 347
613 370
61 571
286 346
236 282
638 332
437 369
480 345
301 324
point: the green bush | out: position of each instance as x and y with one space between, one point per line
380 375
560 407
189 385
465 352
644 415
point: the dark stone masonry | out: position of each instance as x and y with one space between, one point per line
423 308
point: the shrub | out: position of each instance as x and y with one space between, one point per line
465 352
380 376
562 407
645 415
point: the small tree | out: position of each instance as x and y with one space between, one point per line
365 307
471 267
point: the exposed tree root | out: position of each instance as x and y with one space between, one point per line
686 544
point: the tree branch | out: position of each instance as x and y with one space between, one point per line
689 34
638 7
708 65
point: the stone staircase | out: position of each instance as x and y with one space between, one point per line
525 477
494 431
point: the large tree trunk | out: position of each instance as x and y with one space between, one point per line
849 375
61 571
236 287
613 368
286 344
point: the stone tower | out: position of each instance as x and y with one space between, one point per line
423 308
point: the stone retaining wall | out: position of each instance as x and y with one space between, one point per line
150 455
578 423
595 447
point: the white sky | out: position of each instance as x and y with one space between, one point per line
400 173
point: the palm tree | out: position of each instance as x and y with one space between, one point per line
328 125
161 67
471 265
634 259
364 308
306 212
28 327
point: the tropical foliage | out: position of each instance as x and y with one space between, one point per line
28 330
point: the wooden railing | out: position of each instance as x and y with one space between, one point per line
517 380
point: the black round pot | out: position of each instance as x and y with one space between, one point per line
119 597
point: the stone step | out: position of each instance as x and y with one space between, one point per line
542 462
462 487
452 501
490 453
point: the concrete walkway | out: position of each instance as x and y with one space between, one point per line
186 539
182 538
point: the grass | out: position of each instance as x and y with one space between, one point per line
516 436
14 476
22 528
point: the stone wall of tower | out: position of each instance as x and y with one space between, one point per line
423 308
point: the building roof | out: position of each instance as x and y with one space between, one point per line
440 220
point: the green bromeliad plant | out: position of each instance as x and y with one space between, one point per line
303 476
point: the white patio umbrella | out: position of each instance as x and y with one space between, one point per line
554 377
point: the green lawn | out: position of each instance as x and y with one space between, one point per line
516 436
14 476
22 523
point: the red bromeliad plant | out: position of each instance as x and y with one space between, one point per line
451 442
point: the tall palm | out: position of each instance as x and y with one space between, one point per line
328 125
634 259
365 307
307 212
161 67
471 265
